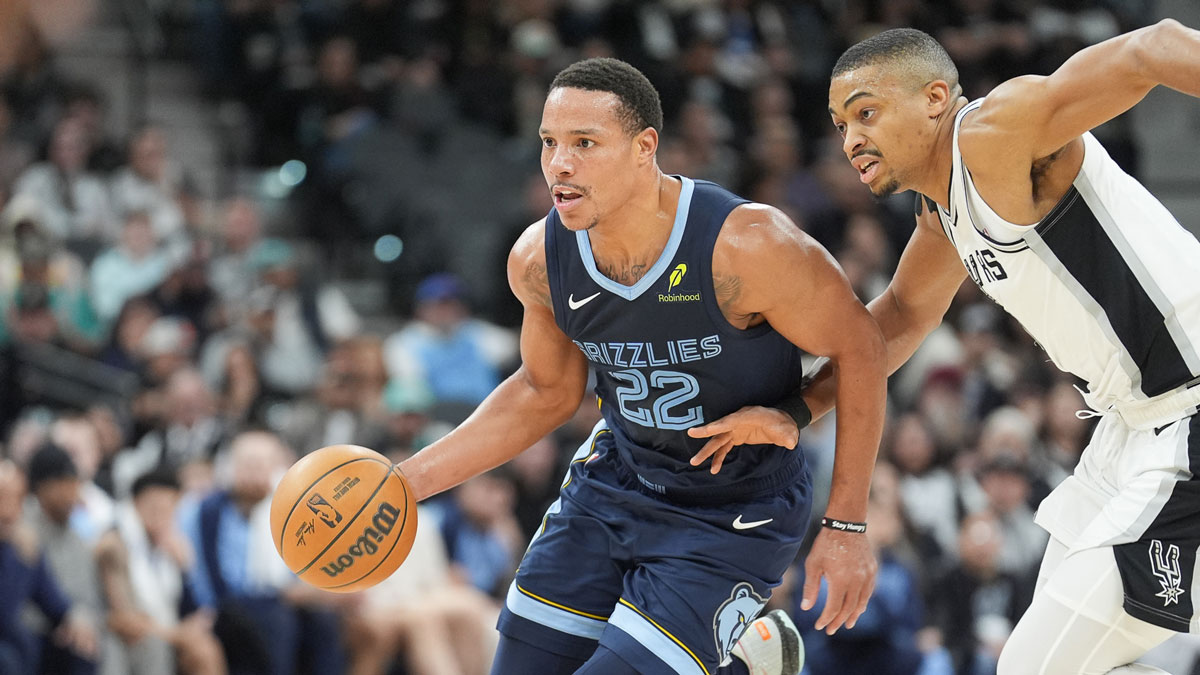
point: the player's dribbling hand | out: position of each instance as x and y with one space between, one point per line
752 425
848 564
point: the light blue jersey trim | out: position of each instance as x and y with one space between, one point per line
660 266
559 619
653 639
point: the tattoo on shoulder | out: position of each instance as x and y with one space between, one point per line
537 283
728 290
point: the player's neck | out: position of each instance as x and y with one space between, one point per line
935 184
639 230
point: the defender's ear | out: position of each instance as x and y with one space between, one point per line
938 97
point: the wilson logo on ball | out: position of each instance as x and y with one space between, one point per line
368 542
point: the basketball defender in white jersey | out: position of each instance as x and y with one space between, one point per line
1016 194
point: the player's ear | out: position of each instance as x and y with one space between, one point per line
938 97
646 144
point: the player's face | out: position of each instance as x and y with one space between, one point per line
883 127
588 157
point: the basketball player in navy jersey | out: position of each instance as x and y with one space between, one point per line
1017 195
688 303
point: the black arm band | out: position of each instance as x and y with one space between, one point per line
843 526
793 404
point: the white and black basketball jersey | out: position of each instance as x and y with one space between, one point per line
1108 282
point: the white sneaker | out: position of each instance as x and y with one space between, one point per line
771 645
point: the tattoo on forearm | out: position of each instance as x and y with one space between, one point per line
537 284
728 290
626 276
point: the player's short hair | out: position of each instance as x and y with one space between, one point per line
906 50
640 104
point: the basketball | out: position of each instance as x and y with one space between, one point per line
343 518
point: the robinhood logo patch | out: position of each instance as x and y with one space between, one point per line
677 276
674 280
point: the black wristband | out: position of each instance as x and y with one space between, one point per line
793 406
843 526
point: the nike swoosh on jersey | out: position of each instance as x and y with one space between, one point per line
739 525
576 304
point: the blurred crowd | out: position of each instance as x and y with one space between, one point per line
165 354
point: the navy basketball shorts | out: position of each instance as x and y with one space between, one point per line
668 587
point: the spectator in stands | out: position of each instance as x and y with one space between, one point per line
131 268
54 484
481 532
941 405
707 133
16 153
29 317
151 183
267 621
21 231
231 269
1005 481
928 490
154 622
1064 434
187 294
27 578
110 428
405 425
336 414
336 110
73 202
989 370
86 106
167 347
975 604
77 435
459 356
188 432
129 328
43 268
305 319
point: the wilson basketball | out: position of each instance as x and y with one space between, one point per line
343 518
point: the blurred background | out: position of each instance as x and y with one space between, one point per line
234 231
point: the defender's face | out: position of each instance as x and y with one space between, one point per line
883 127
588 158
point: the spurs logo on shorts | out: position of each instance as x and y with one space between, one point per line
1166 568
734 615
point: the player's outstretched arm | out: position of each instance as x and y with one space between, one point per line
1093 86
543 393
926 280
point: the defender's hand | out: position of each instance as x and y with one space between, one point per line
752 425
848 564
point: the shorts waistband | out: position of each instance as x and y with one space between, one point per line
744 490
1160 410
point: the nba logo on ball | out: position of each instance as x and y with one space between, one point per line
359 542
319 506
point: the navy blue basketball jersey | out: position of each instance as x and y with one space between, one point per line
666 359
